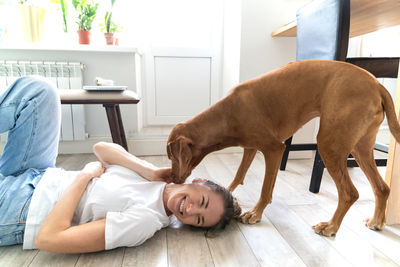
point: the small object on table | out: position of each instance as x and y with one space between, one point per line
101 81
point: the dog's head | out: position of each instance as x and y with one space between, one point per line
182 152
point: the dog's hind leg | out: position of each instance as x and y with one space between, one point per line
272 155
335 159
248 156
364 155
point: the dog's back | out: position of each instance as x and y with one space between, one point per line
297 92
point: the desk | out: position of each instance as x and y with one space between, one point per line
110 101
392 177
365 16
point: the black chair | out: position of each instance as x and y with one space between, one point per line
323 33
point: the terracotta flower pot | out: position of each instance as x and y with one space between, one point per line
109 38
84 37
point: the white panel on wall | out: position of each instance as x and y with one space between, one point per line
182 85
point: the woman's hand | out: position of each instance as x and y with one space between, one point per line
162 174
93 169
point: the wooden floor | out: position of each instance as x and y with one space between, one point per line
283 238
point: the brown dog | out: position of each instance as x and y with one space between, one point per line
261 113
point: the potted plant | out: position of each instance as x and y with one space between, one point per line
87 12
109 32
109 27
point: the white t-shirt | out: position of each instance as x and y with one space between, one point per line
133 206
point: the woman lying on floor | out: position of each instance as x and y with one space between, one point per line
97 208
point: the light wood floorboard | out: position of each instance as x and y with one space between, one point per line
152 253
283 237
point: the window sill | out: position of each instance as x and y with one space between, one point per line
75 47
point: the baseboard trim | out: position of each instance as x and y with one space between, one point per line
139 147
144 147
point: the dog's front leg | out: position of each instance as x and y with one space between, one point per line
248 156
272 155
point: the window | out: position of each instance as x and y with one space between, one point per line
172 23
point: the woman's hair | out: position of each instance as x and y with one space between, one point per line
231 206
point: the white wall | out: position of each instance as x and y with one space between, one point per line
249 48
260 52
231 44
252 22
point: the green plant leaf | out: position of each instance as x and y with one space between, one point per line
75 3
87 12
108 21
64 12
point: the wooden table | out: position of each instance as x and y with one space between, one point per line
110 101
365 16
392 177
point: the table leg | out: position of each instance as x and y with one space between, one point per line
121 128
392 177
115 123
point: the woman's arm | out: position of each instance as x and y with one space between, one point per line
56 233
110 153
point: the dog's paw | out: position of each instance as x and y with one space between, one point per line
325 229
374 224
250 217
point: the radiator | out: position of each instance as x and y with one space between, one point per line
66 75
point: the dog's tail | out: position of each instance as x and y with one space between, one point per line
388 106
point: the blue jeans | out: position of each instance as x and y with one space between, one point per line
30 112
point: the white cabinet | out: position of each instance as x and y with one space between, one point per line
180 84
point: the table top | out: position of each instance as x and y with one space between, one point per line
80 96
365 16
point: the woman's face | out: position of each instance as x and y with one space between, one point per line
196 204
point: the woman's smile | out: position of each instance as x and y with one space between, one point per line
181 206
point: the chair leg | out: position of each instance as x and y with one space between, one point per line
318 170
115 123
285 156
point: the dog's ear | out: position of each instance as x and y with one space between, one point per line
180 152
169 152
179 147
